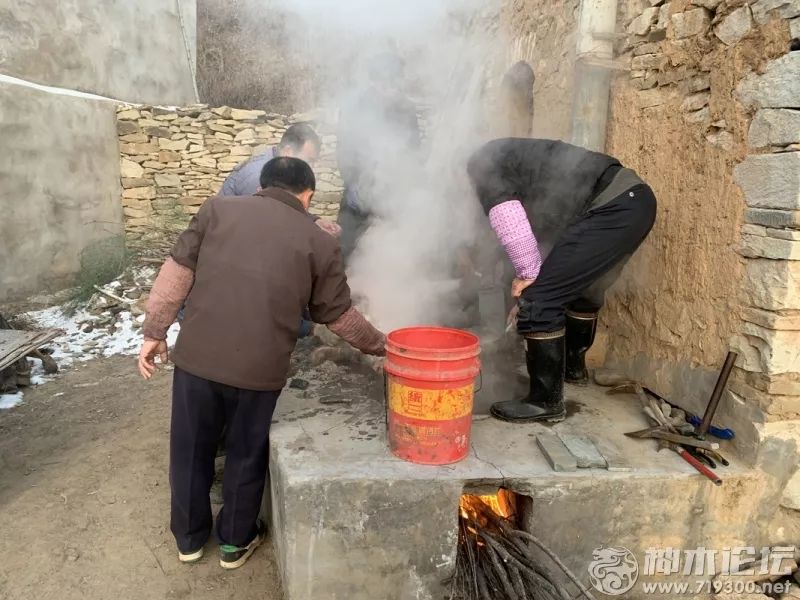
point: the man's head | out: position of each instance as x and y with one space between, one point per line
300 141
290 174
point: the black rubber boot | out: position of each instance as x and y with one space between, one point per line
581 329
545 400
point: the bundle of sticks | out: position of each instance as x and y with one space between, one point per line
497 561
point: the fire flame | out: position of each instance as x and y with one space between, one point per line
503 504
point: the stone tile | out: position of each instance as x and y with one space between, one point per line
764 10
767 350
698 116
691 23
734 26
696 101
770 180
777 87
791 494
787 321
641 24
556 452
774 127
583 449
762 246
773 284
128 168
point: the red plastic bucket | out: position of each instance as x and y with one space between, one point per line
430 390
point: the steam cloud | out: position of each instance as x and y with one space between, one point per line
404 269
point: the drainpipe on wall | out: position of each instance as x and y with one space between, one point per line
189 34
594 55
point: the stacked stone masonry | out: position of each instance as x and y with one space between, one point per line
173 159
770 179
724 68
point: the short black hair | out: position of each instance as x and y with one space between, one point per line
298 135
291 174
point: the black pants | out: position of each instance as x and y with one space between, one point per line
586 259
200 410
353 224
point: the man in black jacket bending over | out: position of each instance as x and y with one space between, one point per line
568 219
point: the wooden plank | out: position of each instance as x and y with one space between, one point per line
11 339
556 452
16 344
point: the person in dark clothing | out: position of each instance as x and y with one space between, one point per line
380 123
299 141
246 268
569 219
516 106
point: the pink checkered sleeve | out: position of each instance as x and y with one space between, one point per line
512 227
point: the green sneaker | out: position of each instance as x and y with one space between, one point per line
233 557
190 557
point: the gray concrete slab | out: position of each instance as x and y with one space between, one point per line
349 441
615 460
352 521
583 449
556 453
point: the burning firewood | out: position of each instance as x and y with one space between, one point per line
497 561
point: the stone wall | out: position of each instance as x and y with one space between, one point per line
60 187
173 159
134 51
769 340
677 119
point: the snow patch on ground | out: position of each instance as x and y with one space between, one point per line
80 343
77 345
10 400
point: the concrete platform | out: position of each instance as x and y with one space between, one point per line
353 522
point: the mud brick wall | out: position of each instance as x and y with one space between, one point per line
173 159
707 115
543 33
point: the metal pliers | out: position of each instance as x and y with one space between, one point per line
709 457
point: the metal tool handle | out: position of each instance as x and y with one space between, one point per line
716 395
701 468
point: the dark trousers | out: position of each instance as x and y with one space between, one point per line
353 224
200 410
586 259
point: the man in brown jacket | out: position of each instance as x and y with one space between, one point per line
245 268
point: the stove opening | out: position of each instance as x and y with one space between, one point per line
498 560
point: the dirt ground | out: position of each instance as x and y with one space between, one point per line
84 496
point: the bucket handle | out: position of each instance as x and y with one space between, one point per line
480 380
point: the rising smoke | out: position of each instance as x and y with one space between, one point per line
405 270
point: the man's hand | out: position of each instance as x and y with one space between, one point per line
520 285
147 356
329 227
